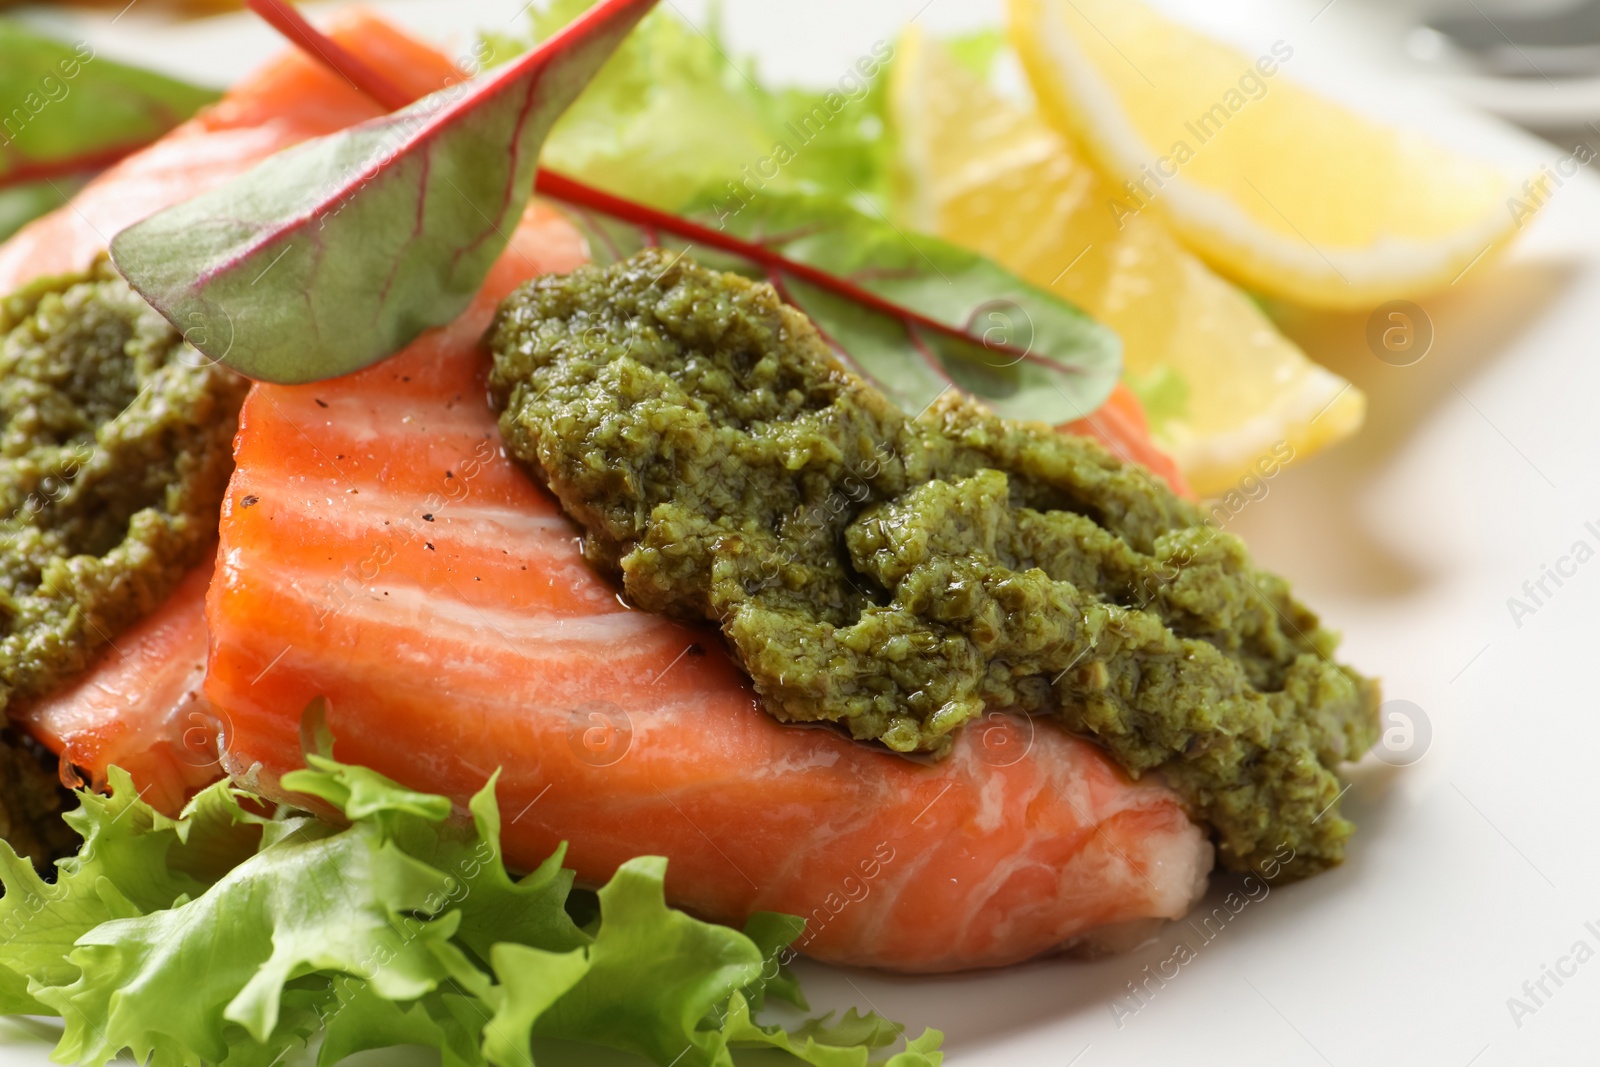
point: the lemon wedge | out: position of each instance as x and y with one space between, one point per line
1289 193
986 174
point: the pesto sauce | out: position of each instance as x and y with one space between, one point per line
115 451
899 576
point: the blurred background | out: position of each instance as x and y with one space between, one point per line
1535 63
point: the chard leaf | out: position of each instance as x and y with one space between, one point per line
68 110
287 20
69 114
334 254
641 131
913 314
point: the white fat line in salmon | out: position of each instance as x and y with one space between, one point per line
1536 992
855 891
406 530
1153 978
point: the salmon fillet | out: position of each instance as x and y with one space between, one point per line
140 706
379 549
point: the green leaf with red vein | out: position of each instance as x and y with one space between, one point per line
913 314
334 254
66 112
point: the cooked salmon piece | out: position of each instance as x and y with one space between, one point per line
381 551
141 704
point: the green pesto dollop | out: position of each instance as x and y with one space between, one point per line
115 451
901 575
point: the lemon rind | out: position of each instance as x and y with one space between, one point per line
1293 268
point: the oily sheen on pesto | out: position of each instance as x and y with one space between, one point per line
901 575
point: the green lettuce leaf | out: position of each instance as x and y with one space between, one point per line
361 1020
847 1043
311 901
132 861
230 937
979 51
671 117
1163 393
653 973
773 933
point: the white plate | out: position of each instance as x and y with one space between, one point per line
1475 868
1552 100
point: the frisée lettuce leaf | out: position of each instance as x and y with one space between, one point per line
231 936
671 118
